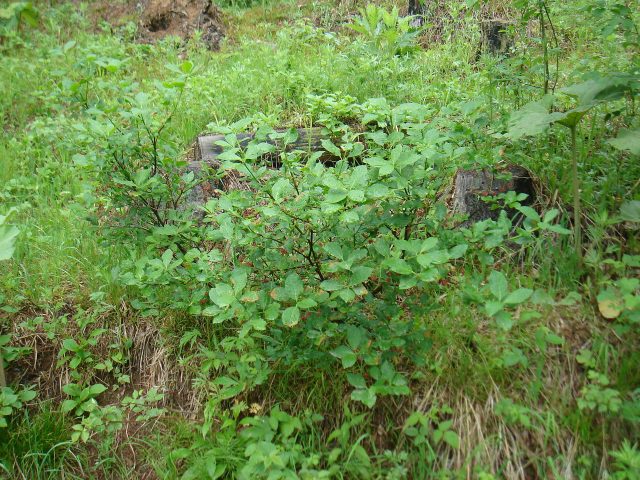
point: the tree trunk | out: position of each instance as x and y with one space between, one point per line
3 380
495 38
417 9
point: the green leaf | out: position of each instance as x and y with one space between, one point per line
504 320
458 251
222 295
492 307
627 140
532 119
239 279
68 405
281 189
291 316
360 275
518 296
592 92
336 195
7 241
356 195
398 265
293 285
96 389
345 354
307 303
435 257
186 66
451 438
498 284
385 167
429 244
329 146
630 211
513 357
356 336
331 285
366 396
27 395
334 249
356 380
70 344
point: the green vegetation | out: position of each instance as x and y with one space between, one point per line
331 318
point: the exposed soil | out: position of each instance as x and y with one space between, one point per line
157 19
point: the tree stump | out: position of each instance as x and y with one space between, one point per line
471 185
495 38
418 10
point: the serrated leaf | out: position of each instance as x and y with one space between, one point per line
532 119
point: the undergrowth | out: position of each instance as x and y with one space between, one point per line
322 313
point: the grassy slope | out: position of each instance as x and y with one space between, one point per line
63 262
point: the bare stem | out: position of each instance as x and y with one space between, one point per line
577 230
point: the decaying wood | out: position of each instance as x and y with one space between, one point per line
309 139
470 186
495 38
207 153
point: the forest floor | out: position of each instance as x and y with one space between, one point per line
333 317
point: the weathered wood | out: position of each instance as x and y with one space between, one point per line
309 139
471 185
495 38
418 9
207 152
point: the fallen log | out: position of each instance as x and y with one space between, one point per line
207 152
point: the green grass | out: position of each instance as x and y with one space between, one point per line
67 261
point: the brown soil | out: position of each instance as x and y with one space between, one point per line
157 19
